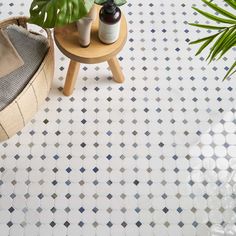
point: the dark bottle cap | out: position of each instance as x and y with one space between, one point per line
110 7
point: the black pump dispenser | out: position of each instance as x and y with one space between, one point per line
109 22
110 13
110 7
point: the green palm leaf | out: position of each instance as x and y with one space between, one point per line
219 44
231 3
212 27
204 39
225 38
220 10
204 46
230 71
231 42
214 18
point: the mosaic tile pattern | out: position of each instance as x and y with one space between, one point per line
153 156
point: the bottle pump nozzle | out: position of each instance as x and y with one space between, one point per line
110 6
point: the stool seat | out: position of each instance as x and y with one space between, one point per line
66 39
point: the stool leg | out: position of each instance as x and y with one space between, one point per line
116 70
71 77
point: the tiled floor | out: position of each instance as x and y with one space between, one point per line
153 156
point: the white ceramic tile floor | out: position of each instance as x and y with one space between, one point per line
153 156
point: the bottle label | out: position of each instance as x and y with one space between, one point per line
108 33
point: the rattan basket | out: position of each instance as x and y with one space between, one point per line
21 110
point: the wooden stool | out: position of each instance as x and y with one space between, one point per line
66 39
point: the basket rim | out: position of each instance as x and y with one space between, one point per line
22 21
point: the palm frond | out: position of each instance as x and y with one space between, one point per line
222 41
215 18
220 10
231 71
204 46
231 42
212 27
219 44
231 3
204 39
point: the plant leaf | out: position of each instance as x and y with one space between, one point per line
204 45
51 13
231 3
213 27
227 35
217 45
204 39
117 2
120 2
231 45
229 73
221 44
220 10
231 42
214 18
100 2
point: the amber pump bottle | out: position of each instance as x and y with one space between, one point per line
109 22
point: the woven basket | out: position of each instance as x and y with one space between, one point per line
21 110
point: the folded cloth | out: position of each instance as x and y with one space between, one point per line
32 48
10 60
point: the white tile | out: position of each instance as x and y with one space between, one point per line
59 230
152 156
31 230
46 217
5 216
16 229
